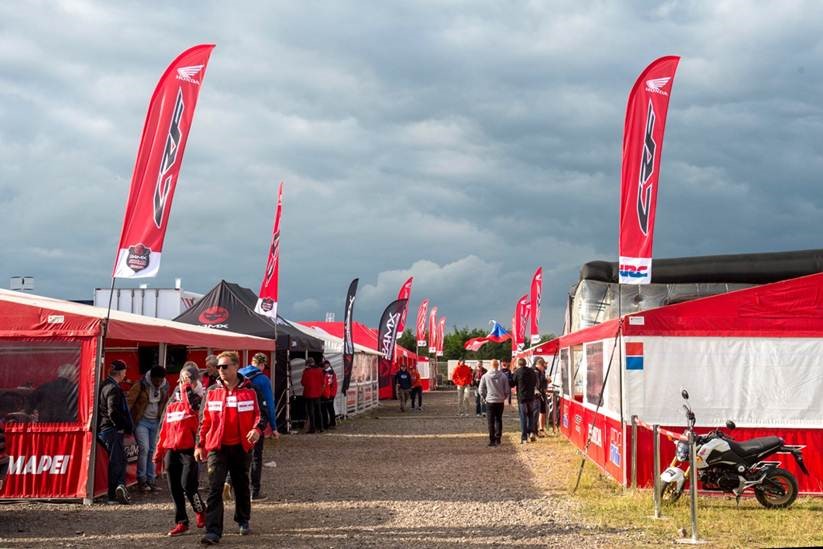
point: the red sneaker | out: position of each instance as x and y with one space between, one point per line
201 519
179 529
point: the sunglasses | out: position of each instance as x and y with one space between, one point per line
223 366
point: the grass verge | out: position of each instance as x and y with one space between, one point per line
606 504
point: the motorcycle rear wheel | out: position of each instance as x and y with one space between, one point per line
769 493
669 494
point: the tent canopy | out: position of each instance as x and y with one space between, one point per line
28 315
362 334
230 306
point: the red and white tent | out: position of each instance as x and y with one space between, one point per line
367 337
43 340
754 356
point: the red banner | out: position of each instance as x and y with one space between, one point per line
421 323
640 175
405 293
433 330
441 335
159 158
46 465
267 299
534 298
521 313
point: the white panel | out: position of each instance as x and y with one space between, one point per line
753 381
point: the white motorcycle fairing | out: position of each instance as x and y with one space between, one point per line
673 474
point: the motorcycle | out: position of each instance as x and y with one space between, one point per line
725 465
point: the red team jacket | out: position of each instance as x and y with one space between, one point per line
179 425
329 385
218 404
312 381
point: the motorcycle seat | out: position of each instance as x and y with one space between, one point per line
755 446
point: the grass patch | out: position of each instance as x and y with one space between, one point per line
606 504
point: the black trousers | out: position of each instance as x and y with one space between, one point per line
112 439
417 392
234 460
494 415
327 412
315 423
257 465
182 473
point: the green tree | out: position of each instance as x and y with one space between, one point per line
407 340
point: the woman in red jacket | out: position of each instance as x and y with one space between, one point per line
175 448
327 396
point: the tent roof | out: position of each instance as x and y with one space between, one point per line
789 308
26 315
332 342
229 306
362 334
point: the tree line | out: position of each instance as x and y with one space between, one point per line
456 339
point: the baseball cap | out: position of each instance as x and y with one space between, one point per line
117 365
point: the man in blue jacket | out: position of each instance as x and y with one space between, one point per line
262 384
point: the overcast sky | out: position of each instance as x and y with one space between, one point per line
464 143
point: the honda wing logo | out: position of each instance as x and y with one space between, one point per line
162 190
655 85
645 185
186 74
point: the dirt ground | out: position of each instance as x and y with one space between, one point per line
386 479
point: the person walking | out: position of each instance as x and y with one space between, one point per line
462 378
113 422
402 385
493 388
175 448
232 424
479 403
416 388
327 411
504 368
525 380
146 400
542 395
211 375
312 381
262 384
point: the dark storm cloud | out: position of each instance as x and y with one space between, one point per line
464 143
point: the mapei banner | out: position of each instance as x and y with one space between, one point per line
45 465
159 158
640 176
267 298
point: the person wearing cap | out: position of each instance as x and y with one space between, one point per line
113 421
231 426
312 381
175 448
255 373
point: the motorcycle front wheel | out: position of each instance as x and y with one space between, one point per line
669 494
778 491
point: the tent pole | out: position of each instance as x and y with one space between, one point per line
288 390
96 369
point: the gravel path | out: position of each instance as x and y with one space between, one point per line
387 479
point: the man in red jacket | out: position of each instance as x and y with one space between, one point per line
312 381
231 426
